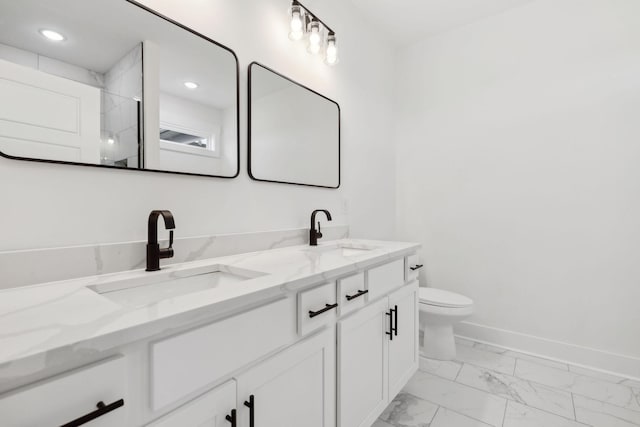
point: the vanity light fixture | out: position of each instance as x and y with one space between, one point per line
52 35
191 85
304 23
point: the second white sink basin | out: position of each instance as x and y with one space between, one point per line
343 249
158 288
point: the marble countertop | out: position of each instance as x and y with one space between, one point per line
45 322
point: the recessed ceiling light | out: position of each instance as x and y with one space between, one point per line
191 85
52 35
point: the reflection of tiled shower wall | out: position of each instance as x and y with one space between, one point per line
122 87
50 65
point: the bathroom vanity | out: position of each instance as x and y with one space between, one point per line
299 336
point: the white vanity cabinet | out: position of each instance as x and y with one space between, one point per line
292 389
331 353
377 354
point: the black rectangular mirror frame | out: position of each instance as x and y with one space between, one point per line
184 27
254 63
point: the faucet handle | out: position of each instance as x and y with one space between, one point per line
319 234
171 239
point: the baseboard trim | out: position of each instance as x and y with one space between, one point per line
603 361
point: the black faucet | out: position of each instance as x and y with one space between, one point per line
154 253
313 234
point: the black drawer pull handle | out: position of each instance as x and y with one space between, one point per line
232 418
359 294
102 409
417 267
251 404
327 307
390 333
395 326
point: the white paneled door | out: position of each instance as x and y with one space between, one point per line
48 117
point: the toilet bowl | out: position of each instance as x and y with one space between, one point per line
439 311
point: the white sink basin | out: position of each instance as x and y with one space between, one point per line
343 249
173 284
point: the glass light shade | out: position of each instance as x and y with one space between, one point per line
296 25
296 19
315 40
331 53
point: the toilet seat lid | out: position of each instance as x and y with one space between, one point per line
441 298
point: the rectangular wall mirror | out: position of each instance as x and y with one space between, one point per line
111 83
294 132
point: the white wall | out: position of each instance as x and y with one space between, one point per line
518 150
55 205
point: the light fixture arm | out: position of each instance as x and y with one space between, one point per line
312 16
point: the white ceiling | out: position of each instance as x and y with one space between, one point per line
406 21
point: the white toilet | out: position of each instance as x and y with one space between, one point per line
439 310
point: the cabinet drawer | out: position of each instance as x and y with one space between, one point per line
188 362
381 280
352 293
317 308
209 409
413 267
67 397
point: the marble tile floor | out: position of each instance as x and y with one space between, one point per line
488 386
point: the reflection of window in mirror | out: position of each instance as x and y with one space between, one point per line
190 132
179 139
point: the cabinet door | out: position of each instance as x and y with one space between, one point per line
362 366
403 349
210 409
293 388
